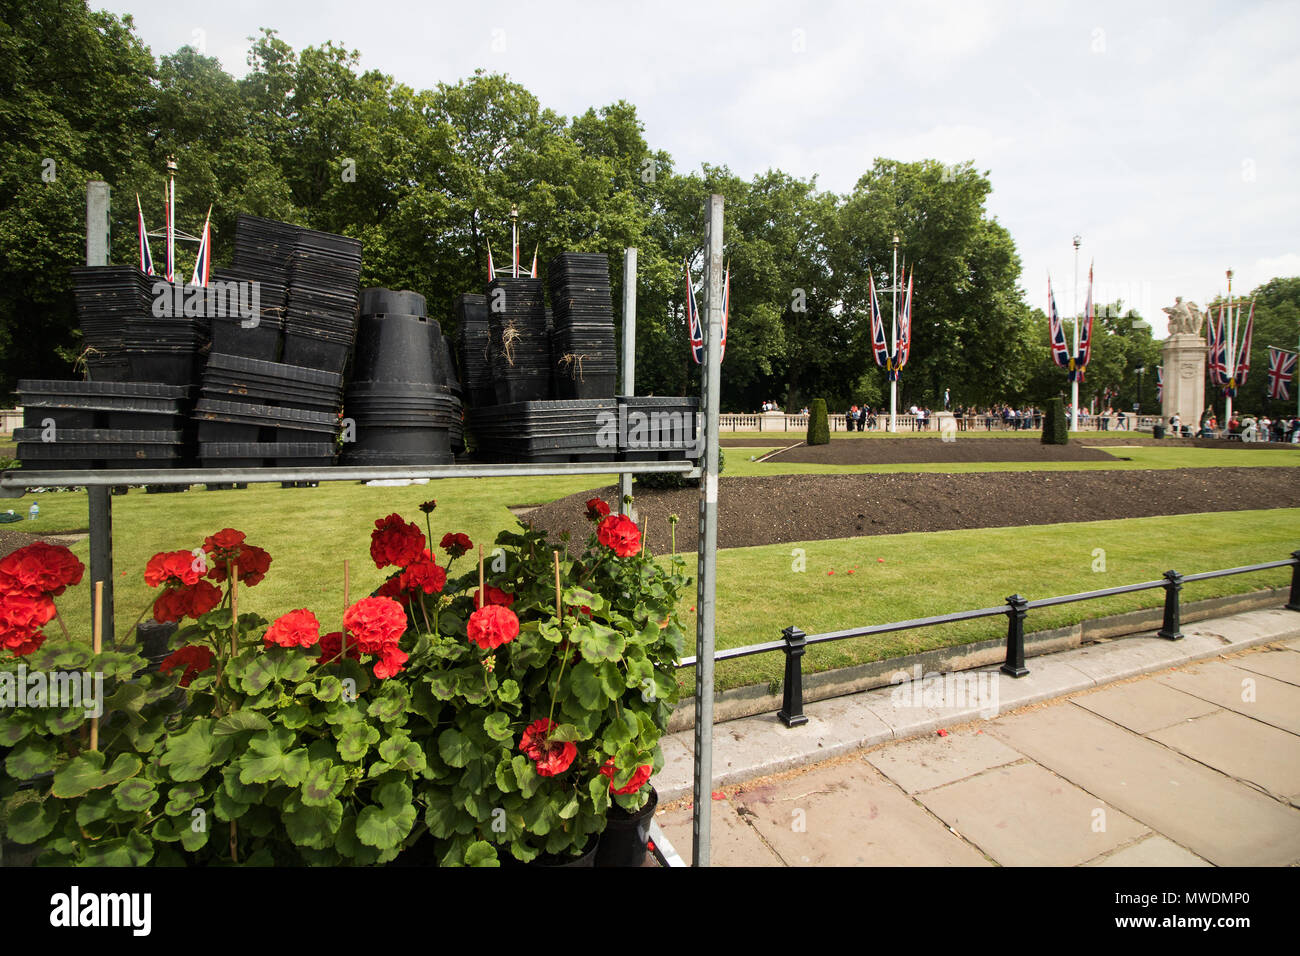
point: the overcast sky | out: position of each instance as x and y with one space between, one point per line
1162 133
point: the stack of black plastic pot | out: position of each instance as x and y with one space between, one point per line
320 322
583 345
167 344
659 428
547 431
518 343
260 271
106 298
399 403
78 425
253 413
472 347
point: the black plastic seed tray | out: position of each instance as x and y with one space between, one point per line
262 454
310 420
93 436
234 367
88 454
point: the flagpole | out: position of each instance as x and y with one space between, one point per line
1074 386
514 239
1230 353
893 346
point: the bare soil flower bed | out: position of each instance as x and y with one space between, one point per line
783 508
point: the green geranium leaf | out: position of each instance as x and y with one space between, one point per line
33 821
312 826
182 797
526 775
119 664
481 853
135 795
295 716
64 720
86 772
505 776
324 781
355 740
455 748
508 692
497 726
584 680
328 689
611 680
134 849
13 728
32 756
191 753
564 733
600 643
387 825
97 805
195 836
598 787
391 704
570 809
252 673
270 758
240 720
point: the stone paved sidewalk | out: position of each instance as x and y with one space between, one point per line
1194 765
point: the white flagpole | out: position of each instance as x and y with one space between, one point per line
514 240
1074 355
893 346
1230 350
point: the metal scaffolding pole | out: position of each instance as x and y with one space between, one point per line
706 584
100 499
629 358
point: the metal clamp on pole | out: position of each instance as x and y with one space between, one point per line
1172 629
1014 665
1294 603
791 712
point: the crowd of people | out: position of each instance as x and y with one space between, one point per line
1247 428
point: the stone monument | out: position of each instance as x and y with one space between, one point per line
1184 364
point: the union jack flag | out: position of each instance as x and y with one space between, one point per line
146 257
1215 363
1243 353
1056 329
879 344
1160 383
1085 337
203 261
1281 372
726 309
693 320
904 331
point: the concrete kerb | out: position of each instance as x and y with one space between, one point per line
760 745
755 699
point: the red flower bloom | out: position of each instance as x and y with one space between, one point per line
429 505
40 568
252 563
456 544
331 646
395 542
295 629
374 622
224 544
495 596
392 588
639 777
391 659
424 575
492 625
552 756
176 603
195 658
22 615
620 533
172 567
596 509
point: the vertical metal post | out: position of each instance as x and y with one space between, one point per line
1172 629
708 539
97 196
1014 665
1294 603
101 547
629 358
791 712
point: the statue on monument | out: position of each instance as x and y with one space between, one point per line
1185 318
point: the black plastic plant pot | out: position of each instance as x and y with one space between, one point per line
418 440
399 348
310 351
626 835
586 859
384 301
166 368
144 421
34 417
299 435
524 387
262 341
591 385
228 432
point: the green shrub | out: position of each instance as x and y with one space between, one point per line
1055 427
669 481
819 429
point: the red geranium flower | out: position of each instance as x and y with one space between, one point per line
395 542
22 615
552 756
172 567
392 588
596 509
492 625
295 629
195 658
456 544
224 544
251 562
424 575
374 622
331 646
429 505
176 603
390 662
495 596
639 777
620 533
40 568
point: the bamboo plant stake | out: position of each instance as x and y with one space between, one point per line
343 645
482 590
97 639
232 571
559 609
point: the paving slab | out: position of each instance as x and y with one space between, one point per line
1131 656
1250 627
734 842
1023 815
1048 678
1279 665
929 762
1272 701
1144 706
1242 748
848 814
1226 822
1155 850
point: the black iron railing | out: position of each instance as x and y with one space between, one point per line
795 642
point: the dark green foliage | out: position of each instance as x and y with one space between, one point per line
671 482
1055 425
819 429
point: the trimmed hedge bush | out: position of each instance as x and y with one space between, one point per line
1055 427
819 429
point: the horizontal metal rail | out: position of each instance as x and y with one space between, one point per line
21 478
794 642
